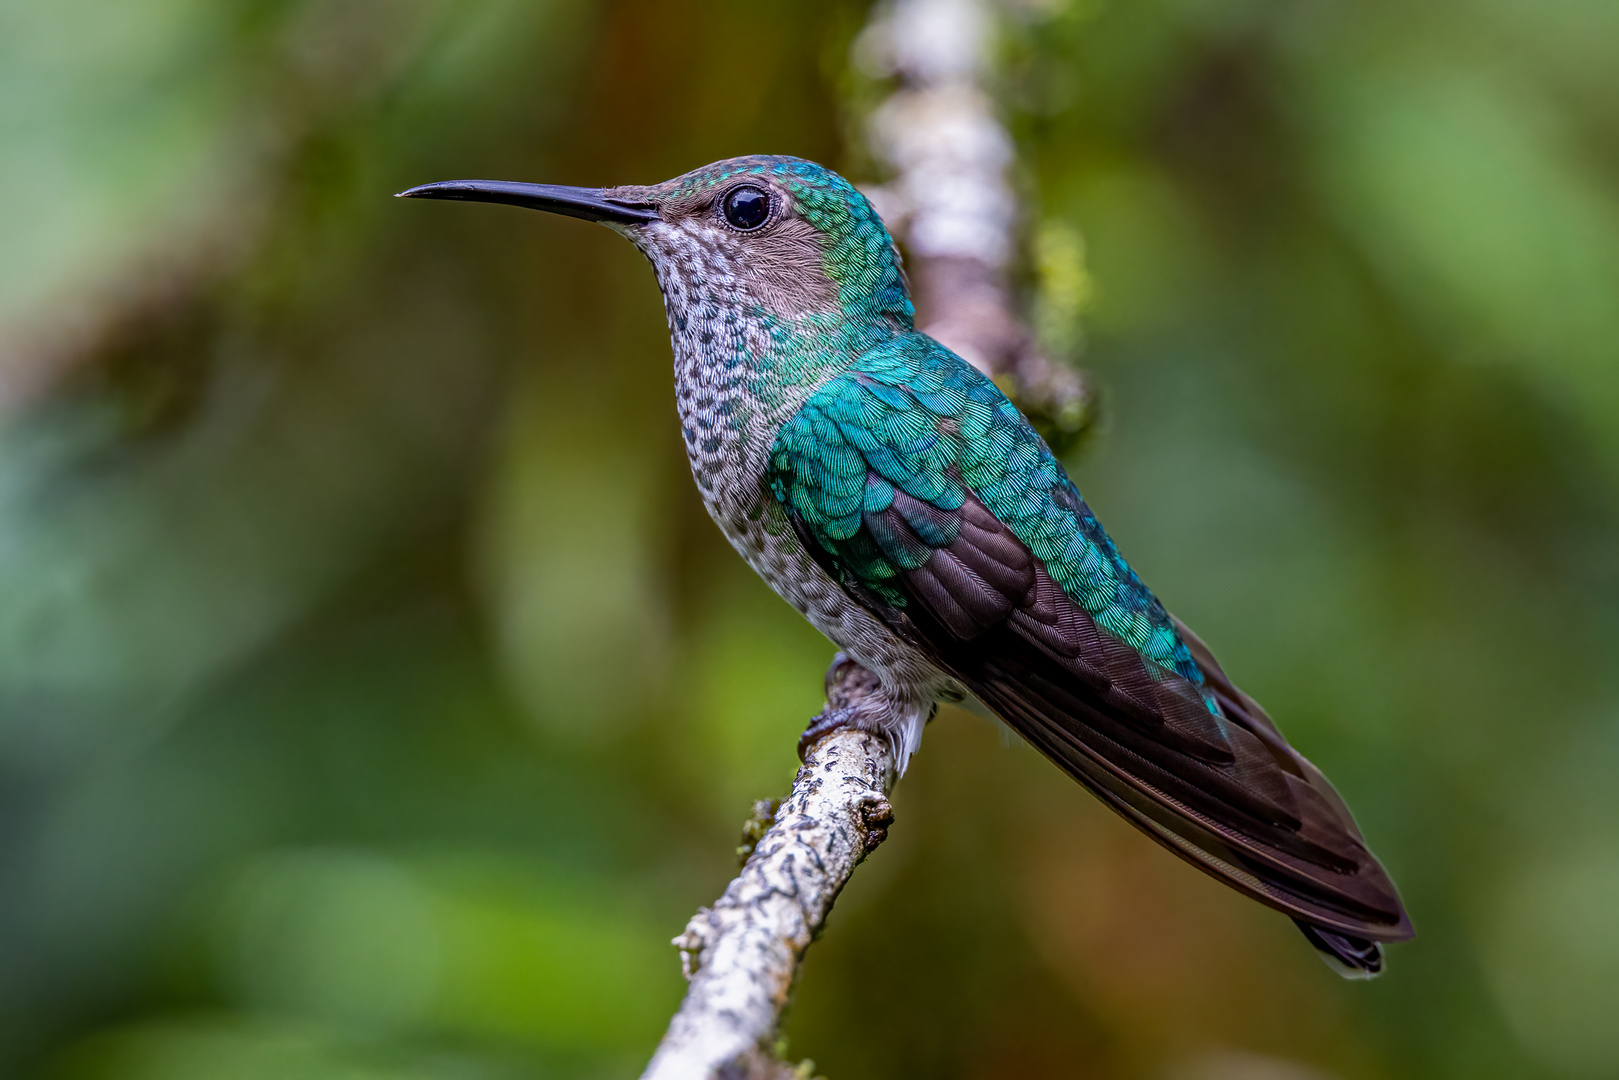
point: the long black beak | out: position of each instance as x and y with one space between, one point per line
591 204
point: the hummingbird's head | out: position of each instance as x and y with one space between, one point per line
777 236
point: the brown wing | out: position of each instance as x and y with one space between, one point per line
1225 792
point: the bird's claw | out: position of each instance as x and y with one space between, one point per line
828 721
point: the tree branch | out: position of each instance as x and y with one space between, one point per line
741 955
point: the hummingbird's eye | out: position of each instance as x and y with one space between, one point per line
746 207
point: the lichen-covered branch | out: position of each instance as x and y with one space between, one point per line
741 955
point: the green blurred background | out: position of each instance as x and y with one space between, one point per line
376 699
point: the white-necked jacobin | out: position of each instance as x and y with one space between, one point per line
893 495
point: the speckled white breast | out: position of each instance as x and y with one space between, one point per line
734 389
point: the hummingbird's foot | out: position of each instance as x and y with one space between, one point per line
826 722
848 686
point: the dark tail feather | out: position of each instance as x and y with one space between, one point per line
1351 957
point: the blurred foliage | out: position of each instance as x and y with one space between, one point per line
376 699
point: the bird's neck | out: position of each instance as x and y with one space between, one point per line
741 372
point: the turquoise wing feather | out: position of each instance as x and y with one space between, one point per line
920 489
915 418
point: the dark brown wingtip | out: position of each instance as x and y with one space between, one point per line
1351 957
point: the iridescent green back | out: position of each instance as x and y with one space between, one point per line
914 416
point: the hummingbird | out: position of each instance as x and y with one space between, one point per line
890 492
